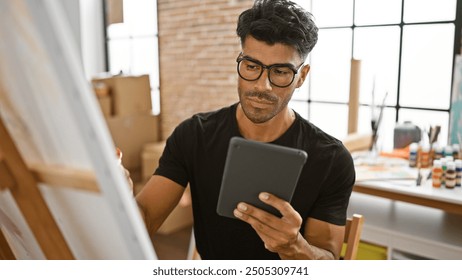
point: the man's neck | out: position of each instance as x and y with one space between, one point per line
264 132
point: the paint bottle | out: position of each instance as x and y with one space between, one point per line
437 172
447 151
424 157
413 153
444 162
438 153
450 175
456 151
458 172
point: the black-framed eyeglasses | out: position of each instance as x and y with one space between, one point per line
280 75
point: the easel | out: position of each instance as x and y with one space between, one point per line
22 182
62 193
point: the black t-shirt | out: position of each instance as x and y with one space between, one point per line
195 153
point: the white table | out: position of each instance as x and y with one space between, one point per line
406 227
449 200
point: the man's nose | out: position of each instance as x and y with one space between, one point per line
263 83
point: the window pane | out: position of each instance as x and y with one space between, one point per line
141 17
385 133
378 50
145 59
117 30
429 10
155 99
427 65
333 12
301 107
306 4
377 12
119 56
424 119
330 65
331 118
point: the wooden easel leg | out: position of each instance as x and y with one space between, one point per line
5 250
30 201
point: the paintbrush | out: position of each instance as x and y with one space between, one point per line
376 123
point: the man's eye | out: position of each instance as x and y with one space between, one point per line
281 71
253 67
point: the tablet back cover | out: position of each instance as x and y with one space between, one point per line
253 167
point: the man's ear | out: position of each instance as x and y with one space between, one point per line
303 73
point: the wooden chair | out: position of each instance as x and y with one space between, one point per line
353 230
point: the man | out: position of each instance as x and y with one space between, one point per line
276 37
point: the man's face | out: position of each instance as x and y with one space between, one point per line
261 100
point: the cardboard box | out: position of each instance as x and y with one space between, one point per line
150 158
105 103
131 133
101 89
130 94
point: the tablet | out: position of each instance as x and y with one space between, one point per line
253 167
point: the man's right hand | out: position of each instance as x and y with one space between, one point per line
125 170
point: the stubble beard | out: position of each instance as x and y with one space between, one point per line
258 115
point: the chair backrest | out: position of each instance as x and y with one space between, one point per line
353 230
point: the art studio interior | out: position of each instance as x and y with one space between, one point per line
385 79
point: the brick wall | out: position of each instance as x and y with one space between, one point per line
198 46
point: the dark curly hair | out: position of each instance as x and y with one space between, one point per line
279 21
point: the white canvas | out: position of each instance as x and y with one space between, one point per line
52 114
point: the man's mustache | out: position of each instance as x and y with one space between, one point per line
262 95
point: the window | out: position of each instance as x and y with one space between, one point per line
132 45
406 49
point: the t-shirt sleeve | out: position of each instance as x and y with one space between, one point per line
173 162
332 204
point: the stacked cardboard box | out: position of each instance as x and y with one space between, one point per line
150 158
130 133
126 103
104 98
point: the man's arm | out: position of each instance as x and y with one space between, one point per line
325 239
156 200
322 240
